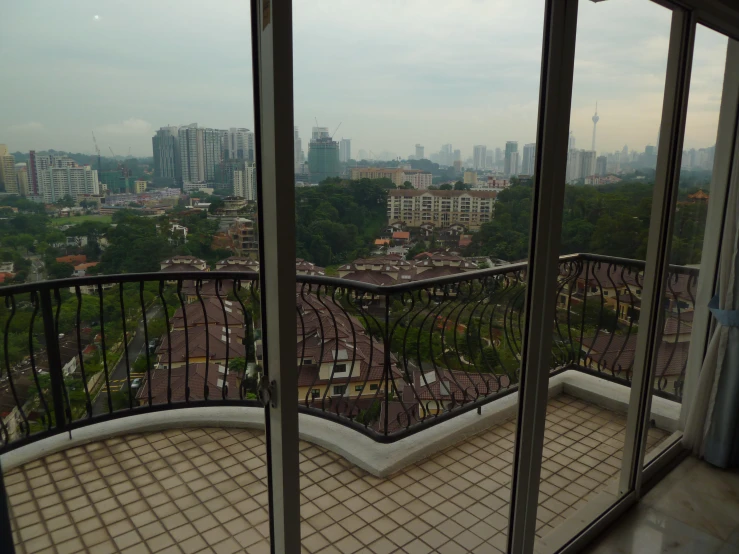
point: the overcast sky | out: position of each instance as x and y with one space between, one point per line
393 73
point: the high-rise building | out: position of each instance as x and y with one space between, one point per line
7 171
514 163
32 174
245 182
56 182
587 163
595 122
601 165
489 157
345 150
528 159
323 155
498 156
478 156
240 144
457 155
446 156
319 132
21 178
419 151
509 168
571 142
297 150
167 165
200 153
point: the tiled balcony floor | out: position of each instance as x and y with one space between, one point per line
204 490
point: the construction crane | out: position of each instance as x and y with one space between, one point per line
97 150
111 151
337 128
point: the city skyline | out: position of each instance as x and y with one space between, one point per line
100 63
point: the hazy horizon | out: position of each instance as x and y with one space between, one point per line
392 74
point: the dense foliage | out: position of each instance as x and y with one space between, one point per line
610 220
336 222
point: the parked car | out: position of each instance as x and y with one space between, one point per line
136 383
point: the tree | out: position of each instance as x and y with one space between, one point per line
58 270
459 185
66 202
407 185
446 186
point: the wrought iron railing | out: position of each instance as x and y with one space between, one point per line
387 361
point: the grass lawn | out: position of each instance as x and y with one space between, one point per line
58 221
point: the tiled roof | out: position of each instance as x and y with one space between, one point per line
196 341
195 374
215 313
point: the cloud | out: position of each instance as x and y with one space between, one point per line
29 127
131 127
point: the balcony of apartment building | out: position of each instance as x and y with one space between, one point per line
407 395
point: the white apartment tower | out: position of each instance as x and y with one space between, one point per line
240 144
528 159
200 153
345 150
479 152
298 150
57 182
419 151
245 182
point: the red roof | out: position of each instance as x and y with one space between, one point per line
402 235
72 259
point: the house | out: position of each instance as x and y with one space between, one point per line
337 360
304 267
238 263
77 241
80 270
402 236
183 263
74 259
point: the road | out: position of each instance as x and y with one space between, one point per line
36 273
118 378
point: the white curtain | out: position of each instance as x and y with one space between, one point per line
715 400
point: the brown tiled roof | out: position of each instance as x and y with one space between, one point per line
180 268
370 277
214 313
196 380
460 386
619 354
197 348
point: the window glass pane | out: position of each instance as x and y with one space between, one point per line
104 171
618 87
676 344
414 122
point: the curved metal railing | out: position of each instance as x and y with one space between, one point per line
387 361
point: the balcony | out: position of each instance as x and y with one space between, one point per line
99 448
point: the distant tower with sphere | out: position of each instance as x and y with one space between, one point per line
595 122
